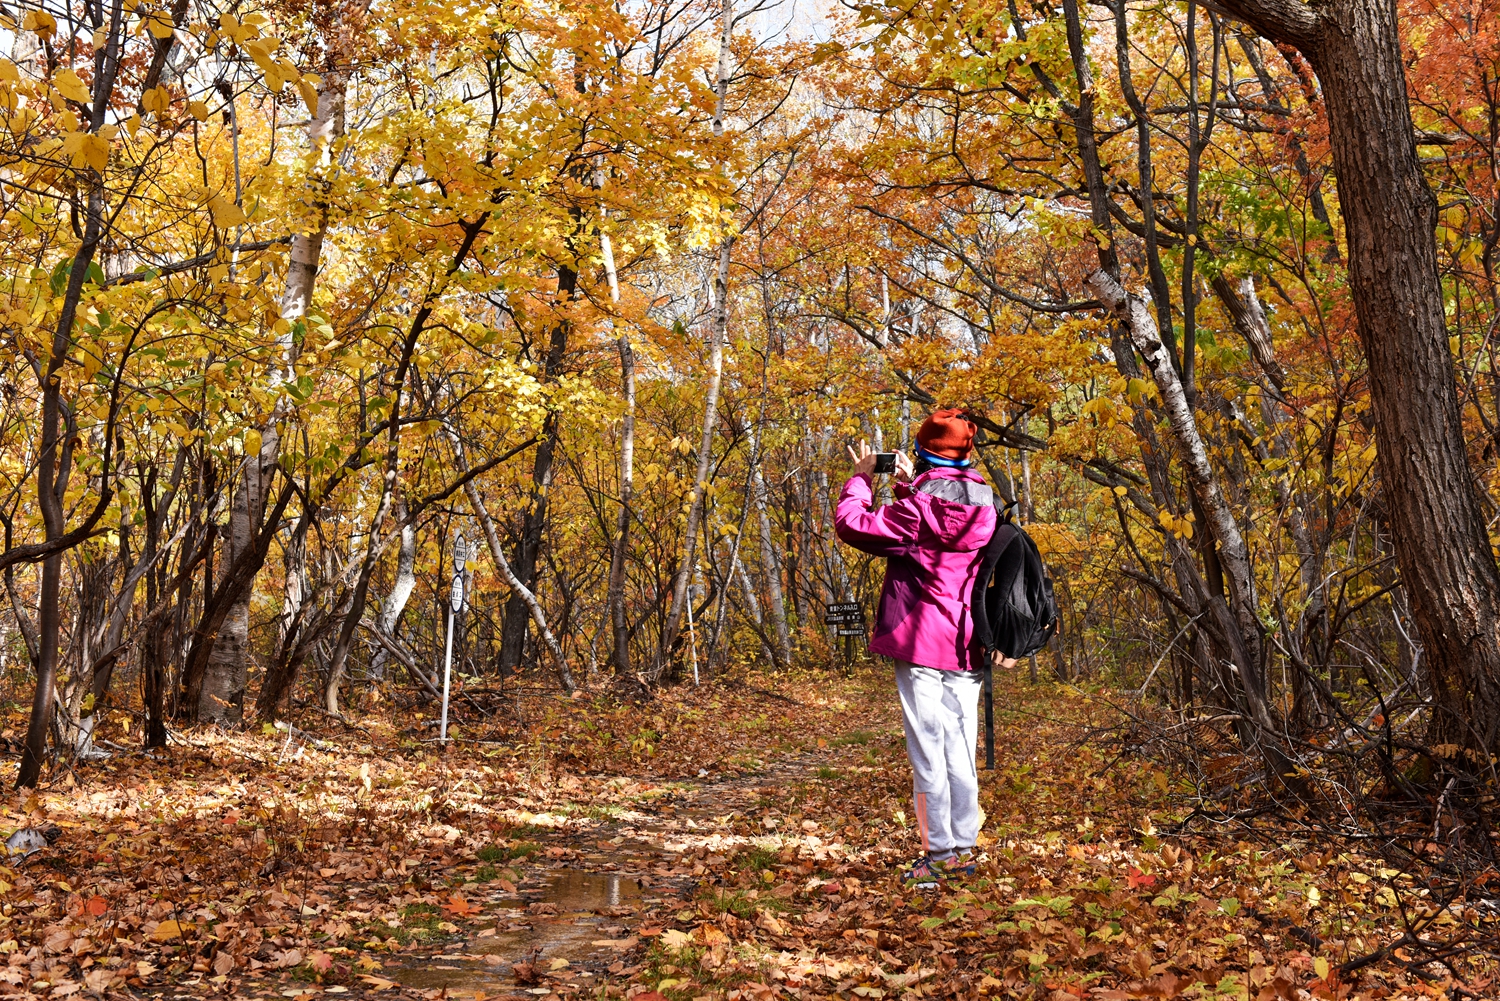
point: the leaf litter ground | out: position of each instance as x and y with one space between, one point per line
738 842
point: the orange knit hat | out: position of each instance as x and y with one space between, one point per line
948 433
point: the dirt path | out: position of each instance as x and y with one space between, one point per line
582 897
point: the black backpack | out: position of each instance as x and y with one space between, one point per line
1013 607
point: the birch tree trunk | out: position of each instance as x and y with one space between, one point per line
401 588
222 695
718 329
615 596
538 616
1235 623
771 566
1234 556
1249 319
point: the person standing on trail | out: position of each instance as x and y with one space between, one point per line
933 538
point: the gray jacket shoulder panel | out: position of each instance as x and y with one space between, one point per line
963 492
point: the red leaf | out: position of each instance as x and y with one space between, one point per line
1138 879
97 906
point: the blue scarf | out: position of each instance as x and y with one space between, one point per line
938 460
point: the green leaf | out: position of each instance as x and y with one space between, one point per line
59 280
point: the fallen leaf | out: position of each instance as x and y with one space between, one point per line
379 983
166 931
617 943
460 908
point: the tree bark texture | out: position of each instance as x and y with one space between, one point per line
221 698
1389 213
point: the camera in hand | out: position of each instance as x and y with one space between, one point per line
885 462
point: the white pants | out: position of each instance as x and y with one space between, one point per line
940 712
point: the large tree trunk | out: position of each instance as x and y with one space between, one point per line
1389 213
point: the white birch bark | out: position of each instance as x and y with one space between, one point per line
227 672
492 539
718 329
401 589
1249 318
1234 556
615 595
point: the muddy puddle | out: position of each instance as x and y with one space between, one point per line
567 930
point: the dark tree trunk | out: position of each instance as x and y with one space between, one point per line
517 614
1389 215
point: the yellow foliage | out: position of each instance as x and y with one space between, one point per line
70 86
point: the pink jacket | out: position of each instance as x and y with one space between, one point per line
933 538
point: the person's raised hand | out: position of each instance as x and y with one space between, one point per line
864 459
904 468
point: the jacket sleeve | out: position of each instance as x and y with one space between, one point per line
885 531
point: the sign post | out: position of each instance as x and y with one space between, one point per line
849 617
455 606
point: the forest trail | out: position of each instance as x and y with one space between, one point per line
739 842
578 901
